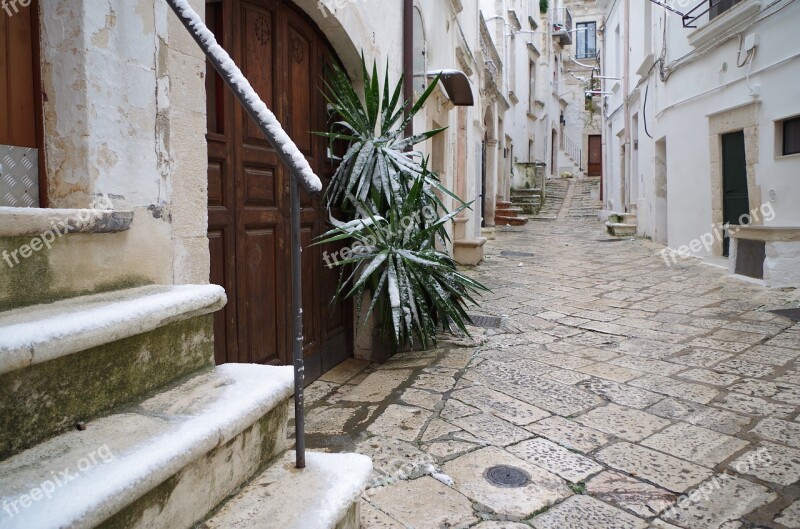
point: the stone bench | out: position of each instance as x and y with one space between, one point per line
770 253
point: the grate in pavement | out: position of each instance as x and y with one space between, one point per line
611 240
486 322
507 476
511 253
792 314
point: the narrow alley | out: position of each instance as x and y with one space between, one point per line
603 390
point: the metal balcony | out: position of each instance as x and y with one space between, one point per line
562 25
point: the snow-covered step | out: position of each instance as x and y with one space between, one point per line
76 359
324 495
40 333
164 463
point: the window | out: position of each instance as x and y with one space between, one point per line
790 136
532 88
720 6
586 42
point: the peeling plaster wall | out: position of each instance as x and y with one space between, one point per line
124 117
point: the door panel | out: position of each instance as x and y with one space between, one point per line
282 54
734 182
595 165
261 284
258 29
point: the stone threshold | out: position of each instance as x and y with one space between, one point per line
24 222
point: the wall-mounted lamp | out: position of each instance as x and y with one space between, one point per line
456 86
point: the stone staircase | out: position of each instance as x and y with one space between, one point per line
622 224
556 192
527 199
113 414
507 214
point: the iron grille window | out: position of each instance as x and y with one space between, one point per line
586 40
720 6
791 136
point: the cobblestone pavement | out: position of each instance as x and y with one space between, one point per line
624 394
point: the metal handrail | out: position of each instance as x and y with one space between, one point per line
301 172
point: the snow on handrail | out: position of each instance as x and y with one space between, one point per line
255 107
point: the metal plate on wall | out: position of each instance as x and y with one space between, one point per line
19 177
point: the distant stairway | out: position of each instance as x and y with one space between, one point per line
507 214
622 224
529 200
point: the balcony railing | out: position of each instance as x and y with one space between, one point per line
562 25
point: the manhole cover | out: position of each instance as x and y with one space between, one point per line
486 322
511 253
792 314
506 476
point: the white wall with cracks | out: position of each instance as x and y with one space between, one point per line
124 118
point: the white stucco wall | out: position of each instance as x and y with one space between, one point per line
706 84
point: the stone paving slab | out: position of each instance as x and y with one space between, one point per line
641 498
556 459
569 434
719 503
492 430
543 488
424 503
698 445
626 423
500 404
770 462
404 422
780 431
583 512
667 471
676 388
790 517
712 418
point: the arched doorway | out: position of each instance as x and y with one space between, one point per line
283 54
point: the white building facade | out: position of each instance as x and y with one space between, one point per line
702 129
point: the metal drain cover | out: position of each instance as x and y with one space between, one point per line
792 314
511 253
507 476
486 322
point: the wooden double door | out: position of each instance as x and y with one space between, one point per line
283 55
595 162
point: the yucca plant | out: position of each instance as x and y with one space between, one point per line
397 214
415 288
379 166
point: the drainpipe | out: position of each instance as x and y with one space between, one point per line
625 94
408 58
603 120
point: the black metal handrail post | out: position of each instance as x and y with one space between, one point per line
301 172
